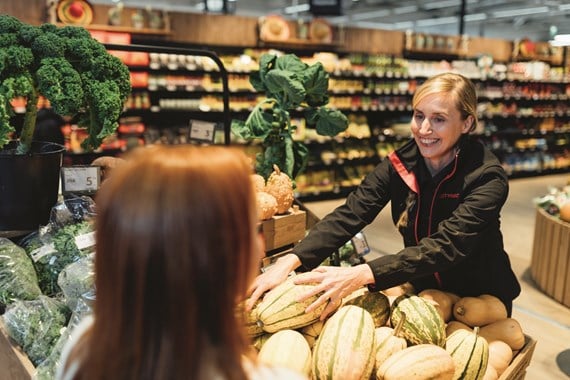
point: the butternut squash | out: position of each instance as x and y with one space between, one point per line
453 326
479 311
443 301
508 330
500 356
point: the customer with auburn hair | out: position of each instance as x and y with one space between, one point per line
177 248
446 191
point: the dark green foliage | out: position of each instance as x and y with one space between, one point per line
67 66
289 84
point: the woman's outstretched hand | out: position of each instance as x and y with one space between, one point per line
273 276
333 284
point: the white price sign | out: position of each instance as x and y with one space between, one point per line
80 179
202 130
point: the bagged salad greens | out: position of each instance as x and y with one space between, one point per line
18 280
51 250
76 279
46 370
36 325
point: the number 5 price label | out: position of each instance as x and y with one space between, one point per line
80 179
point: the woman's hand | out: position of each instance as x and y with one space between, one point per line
273 276
334 283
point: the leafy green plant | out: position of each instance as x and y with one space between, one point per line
289 85
69 68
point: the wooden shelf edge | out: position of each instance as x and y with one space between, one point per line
123 29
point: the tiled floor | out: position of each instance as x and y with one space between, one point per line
541 317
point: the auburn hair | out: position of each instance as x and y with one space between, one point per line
176 251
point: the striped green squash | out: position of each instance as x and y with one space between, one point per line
419 362
375 303
470 352
423 324
280 310
345 348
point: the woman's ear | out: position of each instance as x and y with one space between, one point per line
468 124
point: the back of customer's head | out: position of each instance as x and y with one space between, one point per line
176 249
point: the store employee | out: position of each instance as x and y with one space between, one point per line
446 192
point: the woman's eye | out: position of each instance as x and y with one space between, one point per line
439 119
418 116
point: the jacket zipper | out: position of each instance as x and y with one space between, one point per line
436 274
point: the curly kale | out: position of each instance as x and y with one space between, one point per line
67 66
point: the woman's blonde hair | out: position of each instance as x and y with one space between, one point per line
176 243
460 89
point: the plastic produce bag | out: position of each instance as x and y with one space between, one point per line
73 209
76 279
46 370
18 280
52 251
36 325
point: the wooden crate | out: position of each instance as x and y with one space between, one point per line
517 369
551 256
286 229
14 363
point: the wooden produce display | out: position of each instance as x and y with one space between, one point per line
551 256
285 229
517 368
13 361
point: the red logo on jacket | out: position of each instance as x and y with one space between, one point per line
449 196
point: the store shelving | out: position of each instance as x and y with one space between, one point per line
525 119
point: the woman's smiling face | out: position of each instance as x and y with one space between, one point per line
436 126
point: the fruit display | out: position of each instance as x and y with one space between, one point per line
373 335
556 202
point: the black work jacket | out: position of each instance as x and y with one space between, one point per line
454 243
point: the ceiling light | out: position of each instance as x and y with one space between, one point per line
520 12
297 8
564 7
369 15
441 4
436 21
404 25
475 17
403 10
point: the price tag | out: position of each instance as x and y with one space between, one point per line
80 179
202 130
360 244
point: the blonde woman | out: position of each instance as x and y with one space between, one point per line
177 248
446 192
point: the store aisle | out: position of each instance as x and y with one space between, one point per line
541 317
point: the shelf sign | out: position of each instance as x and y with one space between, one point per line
80 179
360 244
202 131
